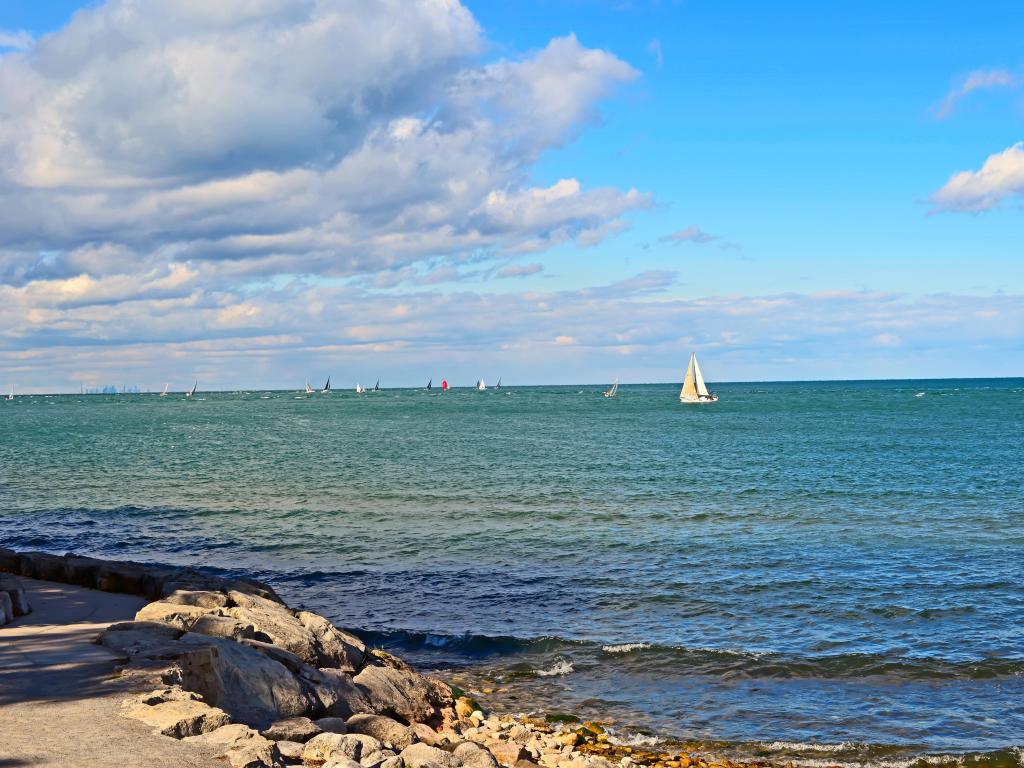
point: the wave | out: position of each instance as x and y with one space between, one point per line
541 653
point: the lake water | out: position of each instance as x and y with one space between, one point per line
831 571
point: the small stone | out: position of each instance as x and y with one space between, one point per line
474 756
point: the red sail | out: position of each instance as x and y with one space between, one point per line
444 385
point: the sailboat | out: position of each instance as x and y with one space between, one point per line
498 385
192 391
164 393
376 387
694 389
327 387
430 384
11 395
613 391
309 389
360 389
480 385
444 385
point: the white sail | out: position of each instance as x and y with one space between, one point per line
613 391
689 391
360 389
164 393
702 390
480 385
11 395
309 389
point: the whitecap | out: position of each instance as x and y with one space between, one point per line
560 667
625 647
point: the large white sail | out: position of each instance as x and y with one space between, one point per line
689 390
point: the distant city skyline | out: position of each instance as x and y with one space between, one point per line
553 191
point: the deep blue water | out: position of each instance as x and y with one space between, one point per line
834 564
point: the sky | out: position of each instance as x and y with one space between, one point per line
255 192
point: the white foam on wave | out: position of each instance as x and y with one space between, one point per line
560 667
625 647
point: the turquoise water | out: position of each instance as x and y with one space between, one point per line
833 570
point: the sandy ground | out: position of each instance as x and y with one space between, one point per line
57 704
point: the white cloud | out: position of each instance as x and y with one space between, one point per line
1000 177
519 270
979 79
691 234
654 48
18 41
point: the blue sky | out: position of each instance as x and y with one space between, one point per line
621 182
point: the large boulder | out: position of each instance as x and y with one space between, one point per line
424 756
180 718
276 622
144 639
383 729
403 695
338 694
200 598
175 614
250 686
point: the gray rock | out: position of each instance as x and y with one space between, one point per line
473 755
332 746
300 729
180 718
425 756
383 729
147 639
6 609
251 687
334 648
16 592
331 725
407 696
393 762
338 694
215 625
175 614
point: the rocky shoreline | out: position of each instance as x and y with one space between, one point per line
227 663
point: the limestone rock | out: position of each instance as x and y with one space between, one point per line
341 762
300 729
253 688
276 622
425 756
332 724
404 695
172 693
16 592
333 746
508 753
175 614
216 625
334 648
375 758
290 750
148 639
474 756
339 694
180 718
198 598
426 734
42 565
383 729
243 747
6 609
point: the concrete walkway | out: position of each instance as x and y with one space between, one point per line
58 706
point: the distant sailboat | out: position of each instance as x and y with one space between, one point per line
480 385
327 387
164 393
376 387
613 391
192 392
444 385
694 390
309 389
11 395
430 384
360 389
498 385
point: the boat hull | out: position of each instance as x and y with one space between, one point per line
699 400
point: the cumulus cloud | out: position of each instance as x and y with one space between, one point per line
18 41
691 234
254 139
979 79
1000 177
